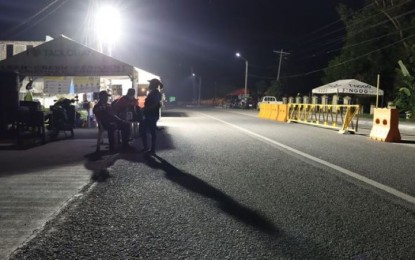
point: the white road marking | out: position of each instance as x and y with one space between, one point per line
245 114
349 173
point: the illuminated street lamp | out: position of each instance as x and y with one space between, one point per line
107 27
199 87
246 73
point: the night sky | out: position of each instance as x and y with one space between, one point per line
171 38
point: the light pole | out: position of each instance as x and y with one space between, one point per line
199 87
246 73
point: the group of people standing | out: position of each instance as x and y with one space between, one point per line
119 114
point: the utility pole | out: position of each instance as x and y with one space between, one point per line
281 53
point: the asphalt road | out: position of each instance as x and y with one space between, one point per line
227 185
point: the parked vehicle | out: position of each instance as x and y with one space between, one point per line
268 100
61 118
247 103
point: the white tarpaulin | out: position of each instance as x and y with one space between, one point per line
348 86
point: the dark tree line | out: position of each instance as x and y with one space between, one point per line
377 37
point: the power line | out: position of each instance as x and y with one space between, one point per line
353 45
15 29
332 23
362 30
347 61
261 77
261 67
357 23
369 40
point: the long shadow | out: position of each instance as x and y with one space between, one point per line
407 141
98 164
225 202
289 246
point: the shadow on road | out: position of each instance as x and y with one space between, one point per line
291 245
225 202
407 141
98 163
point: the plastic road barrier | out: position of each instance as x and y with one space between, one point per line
342 117
385 125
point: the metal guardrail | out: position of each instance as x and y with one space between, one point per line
342 117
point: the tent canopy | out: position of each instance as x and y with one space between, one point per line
348 86
65 57
145 76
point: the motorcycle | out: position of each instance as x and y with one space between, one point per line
61 118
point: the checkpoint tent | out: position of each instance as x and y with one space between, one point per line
347 87
62 57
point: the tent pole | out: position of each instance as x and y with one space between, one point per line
377 92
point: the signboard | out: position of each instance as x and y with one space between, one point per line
86 84
57 85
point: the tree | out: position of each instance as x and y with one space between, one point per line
376 37
405 99
275 89
261 86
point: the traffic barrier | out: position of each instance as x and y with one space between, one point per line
385 125
264 111
274 112
261 110
351 112
268 111
282 113
342 117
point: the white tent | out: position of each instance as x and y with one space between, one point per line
63 58
348 86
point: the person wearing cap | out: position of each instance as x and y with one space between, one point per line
111 122
152 107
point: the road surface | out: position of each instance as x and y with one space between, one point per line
227 185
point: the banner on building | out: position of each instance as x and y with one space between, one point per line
57 85
86 84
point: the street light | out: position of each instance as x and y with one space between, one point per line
199 87
246 73
108 27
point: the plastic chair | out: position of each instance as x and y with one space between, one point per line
100 138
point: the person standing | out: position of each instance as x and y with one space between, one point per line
29 89
111 122
152 106
125 107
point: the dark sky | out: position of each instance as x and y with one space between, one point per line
172 37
